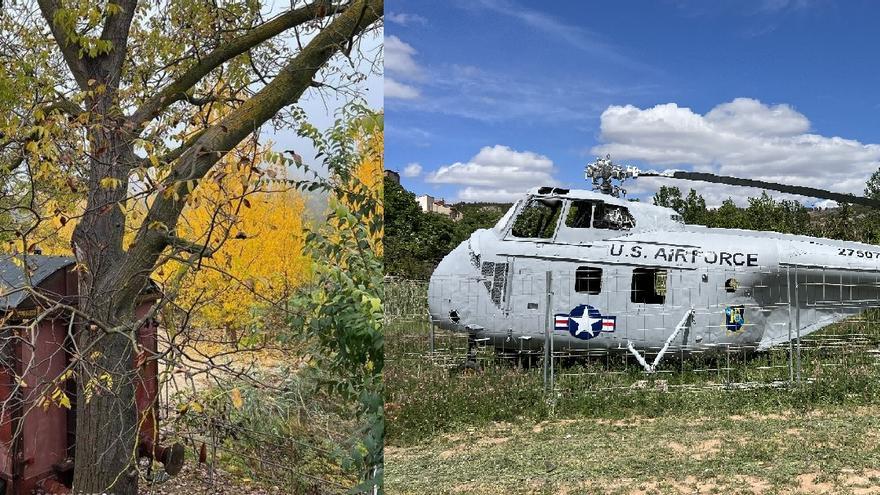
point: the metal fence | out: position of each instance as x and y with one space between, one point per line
800 322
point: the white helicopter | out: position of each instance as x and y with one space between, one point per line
591 272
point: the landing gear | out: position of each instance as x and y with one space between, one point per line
470 363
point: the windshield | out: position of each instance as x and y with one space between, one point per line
538 218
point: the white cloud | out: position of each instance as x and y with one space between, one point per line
399 90
399 58
484 195
496 171
412 170
826 204
748 116
405 19
743 138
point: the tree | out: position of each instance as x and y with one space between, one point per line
728 216
259 266
403 219
794 217
476 216
693 208
669 197
872 186
94 100
343 312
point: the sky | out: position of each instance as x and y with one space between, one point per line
322 106
485 99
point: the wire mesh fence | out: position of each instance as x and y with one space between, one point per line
733 328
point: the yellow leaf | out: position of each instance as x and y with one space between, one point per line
237 401
110 183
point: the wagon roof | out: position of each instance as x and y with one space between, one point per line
13 277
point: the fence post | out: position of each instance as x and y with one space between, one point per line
790 342
431 330
797 324
548 323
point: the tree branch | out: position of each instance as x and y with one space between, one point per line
202 251
177 90
116 30
176 152
69 49
64 105
293 80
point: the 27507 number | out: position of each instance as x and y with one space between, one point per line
858 253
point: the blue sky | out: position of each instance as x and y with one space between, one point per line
485 98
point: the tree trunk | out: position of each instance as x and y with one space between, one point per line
106 412
106 420
110 278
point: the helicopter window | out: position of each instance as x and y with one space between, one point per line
579 215
612 217
538 219
588 280
649 285
730 285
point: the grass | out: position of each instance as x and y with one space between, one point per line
609 428
835 450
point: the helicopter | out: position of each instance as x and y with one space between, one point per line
592 272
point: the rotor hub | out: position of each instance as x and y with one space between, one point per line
603 171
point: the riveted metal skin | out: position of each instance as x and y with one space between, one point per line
741 285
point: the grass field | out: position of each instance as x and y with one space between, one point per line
707 424
828 450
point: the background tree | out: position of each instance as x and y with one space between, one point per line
102 100
473 216
669 197
343 313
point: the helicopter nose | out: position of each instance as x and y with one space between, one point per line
448 288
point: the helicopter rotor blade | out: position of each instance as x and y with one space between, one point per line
773 186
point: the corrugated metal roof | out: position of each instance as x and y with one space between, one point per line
13 277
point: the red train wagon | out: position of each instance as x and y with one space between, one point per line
37 438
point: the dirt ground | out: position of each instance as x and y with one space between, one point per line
196 480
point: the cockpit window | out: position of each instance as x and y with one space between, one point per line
612 217
579 214
538 219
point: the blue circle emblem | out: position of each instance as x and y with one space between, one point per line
585 322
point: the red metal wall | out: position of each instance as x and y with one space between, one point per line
48 433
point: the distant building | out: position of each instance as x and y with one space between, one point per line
430 204
391 174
